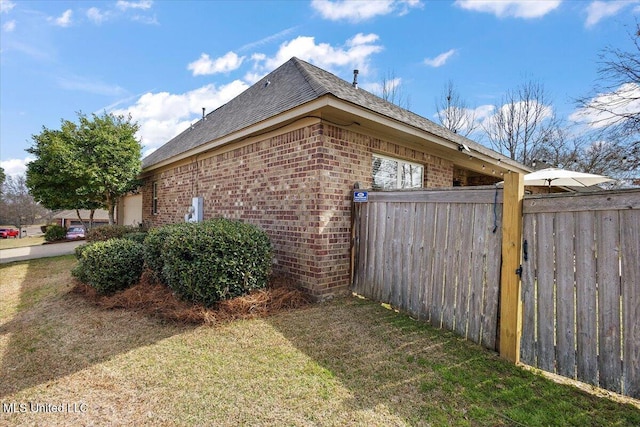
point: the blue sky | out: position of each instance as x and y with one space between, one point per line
162 61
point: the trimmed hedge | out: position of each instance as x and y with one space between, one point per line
138 236
54 233
111 265
214 260
79 250
153 249
106 232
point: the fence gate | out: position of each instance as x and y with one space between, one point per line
434 254
581 288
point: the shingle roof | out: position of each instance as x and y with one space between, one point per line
294 83
99 214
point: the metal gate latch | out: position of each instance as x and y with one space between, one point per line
519 271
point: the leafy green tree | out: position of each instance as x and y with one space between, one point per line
85 165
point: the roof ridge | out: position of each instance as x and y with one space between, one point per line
316 84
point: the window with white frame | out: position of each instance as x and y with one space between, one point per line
390 173
154 199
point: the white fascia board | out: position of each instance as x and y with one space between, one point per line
480 153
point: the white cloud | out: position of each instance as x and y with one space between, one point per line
63 20
163 115
147 20
253 77
355 53
624 100
9 26
358 11
599 10
268 39
377 88
123 9
511 8
90 85
205 65
486 115
15 167
96 15
471 118
142 4
483 112
6 6
440 60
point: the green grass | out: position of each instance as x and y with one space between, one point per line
347 362
20 243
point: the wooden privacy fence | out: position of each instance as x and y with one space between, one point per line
437 254
581 288
434 254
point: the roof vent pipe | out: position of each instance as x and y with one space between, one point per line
355 79
203 117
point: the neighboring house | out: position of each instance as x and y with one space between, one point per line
285 155
129 210
70 217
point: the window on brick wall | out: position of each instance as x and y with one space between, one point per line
154 199
390 173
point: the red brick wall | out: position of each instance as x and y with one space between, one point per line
296 186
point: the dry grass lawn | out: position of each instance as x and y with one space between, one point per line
347 362
20 243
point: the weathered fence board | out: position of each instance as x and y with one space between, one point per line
586 321
565 294
435 255
477 272
608 283
528 352
545 297
581 286
630 249
493 264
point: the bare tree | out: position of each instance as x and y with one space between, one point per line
614 104
522 122
17 206
589 154
392 91
557 150
453 112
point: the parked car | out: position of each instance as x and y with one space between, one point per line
9 232
75 233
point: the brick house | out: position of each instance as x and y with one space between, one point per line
70 218
285 155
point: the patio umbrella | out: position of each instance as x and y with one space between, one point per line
563 178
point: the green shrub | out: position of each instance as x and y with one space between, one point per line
215 260
137 236
153 249
55 233
111 265
106 232
79 250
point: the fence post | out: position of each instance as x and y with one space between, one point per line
510 299
355 215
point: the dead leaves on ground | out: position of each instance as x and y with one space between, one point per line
158 300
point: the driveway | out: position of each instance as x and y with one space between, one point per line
42 251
